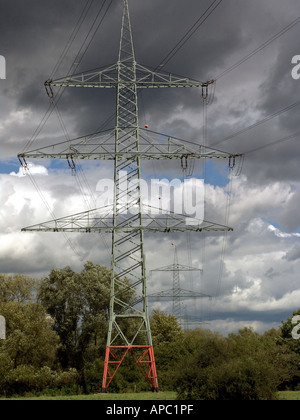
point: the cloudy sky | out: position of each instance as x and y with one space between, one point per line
253 272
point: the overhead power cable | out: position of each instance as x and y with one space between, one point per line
40 193
190 33
62 56
273 143
79 60
82 183
72 37
268 118
54 105
260 48
194 28
82 51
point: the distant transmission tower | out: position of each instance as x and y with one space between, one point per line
177 293
127 219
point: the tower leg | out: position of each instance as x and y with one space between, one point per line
143 356
105 371
153 370
146 364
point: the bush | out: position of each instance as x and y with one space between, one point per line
241 380
244 366
26 379
92 373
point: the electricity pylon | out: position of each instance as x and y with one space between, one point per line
177 293
127 219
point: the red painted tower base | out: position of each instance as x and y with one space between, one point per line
144 359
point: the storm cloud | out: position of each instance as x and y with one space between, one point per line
252 273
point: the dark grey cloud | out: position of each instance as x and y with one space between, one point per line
33 35
293 254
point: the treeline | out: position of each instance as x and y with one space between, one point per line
56 336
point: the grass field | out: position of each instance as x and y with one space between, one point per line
289 395
142 396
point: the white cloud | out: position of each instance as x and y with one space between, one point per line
255 259
280 234
34 170
19 117
262 258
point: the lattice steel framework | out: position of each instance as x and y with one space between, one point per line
177 293
128 219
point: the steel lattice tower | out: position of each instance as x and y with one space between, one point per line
128 219
177 293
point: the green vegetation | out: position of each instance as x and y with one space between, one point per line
289 395
56 337
140 396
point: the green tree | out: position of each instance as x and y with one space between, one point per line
29 351
17 288
78 304
164 327
243 366
59 294
168 346
266 363
30 338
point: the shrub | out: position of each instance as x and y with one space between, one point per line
26 379
244 366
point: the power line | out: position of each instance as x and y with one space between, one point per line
62 56
54 105
72 36
266 119
78 61
190 33
40 193
200 21
273 143
225 236
260 48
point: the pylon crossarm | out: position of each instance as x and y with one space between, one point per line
102 78
101 146
92 222
150 78
171 222
177 267
108 77
171 293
